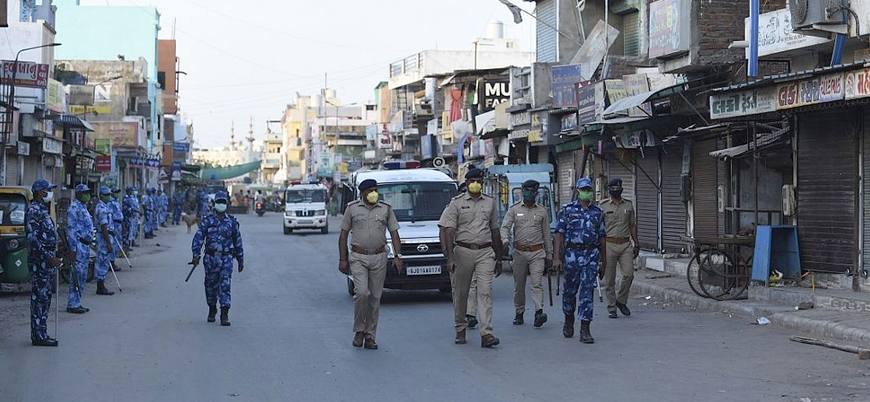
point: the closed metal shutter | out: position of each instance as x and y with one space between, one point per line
12 173
565 176
631 33
866 183
704 188
545 36
647 198
827 190
673 209
621 165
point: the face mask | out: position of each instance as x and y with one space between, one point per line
49 195
474 187
529 195
585 195
616 193
105 198
86 198
220 207
135 193
372 197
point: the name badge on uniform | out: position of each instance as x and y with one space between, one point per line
521 214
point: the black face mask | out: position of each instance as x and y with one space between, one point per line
616 193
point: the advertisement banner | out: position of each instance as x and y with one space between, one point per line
857 84
743 103
569 122
494 93
82 95
123 134
176 171
180 147
103 146
775 34
31 75
564 81
104 163
668 28
586 104
55 96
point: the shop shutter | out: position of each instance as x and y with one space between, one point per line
866 184
622 168
646 201
827 190
546 37
673 209
12 171
631 33
704 189
565 176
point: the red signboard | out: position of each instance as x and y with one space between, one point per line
104 163
28 75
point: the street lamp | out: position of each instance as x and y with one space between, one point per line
9 109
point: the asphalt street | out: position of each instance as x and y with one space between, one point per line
290 340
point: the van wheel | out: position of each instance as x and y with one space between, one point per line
350 286
325 229
287 230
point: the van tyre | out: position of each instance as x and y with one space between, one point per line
287 230
324 230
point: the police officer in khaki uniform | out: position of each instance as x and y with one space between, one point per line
621 227
533 250
473 246
368 219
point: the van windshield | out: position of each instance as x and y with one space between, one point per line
12 209
305 196
417 201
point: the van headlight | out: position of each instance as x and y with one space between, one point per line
390 252
321 212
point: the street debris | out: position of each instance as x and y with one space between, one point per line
804 306
863 354
762 321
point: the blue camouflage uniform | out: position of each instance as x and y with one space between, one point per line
131 216
223 241
42 237
117 227
177 206
202 205
164 207
148 206
583 229
105 251
79 235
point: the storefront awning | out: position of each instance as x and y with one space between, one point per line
73 121
633 101
764 141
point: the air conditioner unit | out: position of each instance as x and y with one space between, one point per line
809 14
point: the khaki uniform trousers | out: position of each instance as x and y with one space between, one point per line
368 272
528 263
624 254
479 265
472 298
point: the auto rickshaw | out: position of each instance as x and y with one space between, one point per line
13 242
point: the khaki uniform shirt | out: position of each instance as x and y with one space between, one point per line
368 226
618 218
531 226
472 220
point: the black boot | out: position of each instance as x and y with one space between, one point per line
212 311
540 318
568 328
518 319
101 289
225 318
585 335
472 321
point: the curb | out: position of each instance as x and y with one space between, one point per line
812 326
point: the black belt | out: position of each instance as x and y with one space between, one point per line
582 246
217 254
119 220
85 241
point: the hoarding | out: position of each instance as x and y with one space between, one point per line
743 103
123 134
564 81
494 93
31 75
668 28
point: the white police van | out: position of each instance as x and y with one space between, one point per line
305 208
418 196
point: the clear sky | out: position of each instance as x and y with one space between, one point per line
249 58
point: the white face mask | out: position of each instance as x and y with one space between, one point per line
135 193
48 197
220 207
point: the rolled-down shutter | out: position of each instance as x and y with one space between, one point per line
647 198
631 33
566 176
704 187
545 35
622 168
866 184
827 190
673 208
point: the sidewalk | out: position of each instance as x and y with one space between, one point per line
837 314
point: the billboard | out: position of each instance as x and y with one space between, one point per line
82 95
31 75
494 93
565 80
123 134
669 27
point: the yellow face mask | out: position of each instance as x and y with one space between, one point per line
372 197
474 187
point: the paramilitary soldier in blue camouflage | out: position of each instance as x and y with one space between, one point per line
177 206
148 204
220 233
117 226
42 238
131 216
581 223
105 248
163 207
79 235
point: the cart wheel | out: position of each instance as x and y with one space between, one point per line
716 275
693 273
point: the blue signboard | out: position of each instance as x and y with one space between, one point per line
181 147
565 80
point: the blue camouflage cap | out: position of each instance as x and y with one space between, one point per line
82 188
135 188
116 190
584 182
42 184
222 195
105 190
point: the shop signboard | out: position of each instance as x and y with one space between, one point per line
494 93
569 122
180 147
564 81
123 134
52 146
29 74
635 84
775 34
615 90
826 88
586 104
743 103
55 96
176 171
668 27
857 84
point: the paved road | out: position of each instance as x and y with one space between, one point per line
291 334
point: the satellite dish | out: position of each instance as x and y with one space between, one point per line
439 162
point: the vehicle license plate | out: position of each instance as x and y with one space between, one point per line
430 270
306 222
